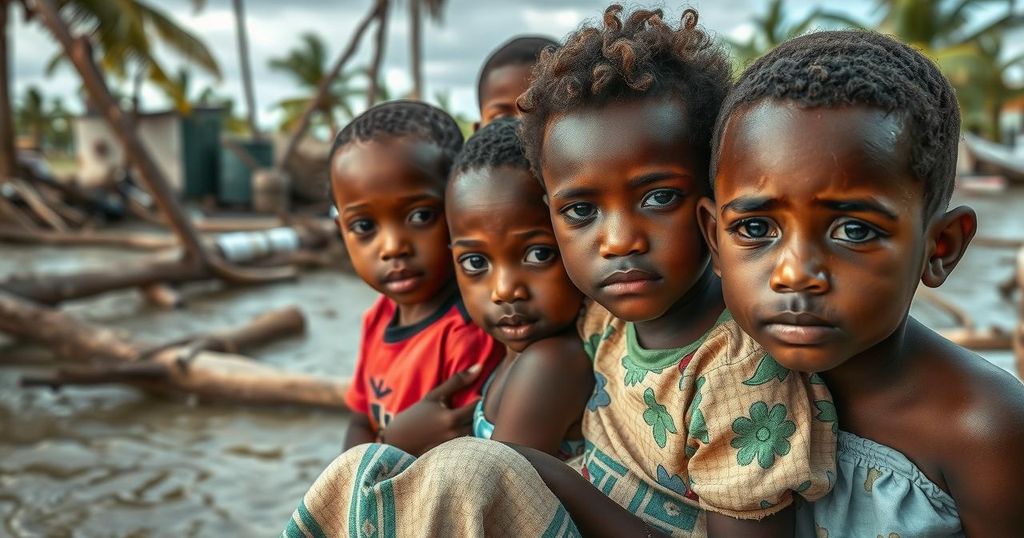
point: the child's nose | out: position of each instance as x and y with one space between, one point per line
800 268
394 245
508 289
620 238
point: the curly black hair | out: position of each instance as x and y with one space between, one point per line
640 58
520 50
856 67
401 119
494 145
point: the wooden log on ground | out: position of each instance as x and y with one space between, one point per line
88 238
69 338
38 206
207 374
958 314
162 295
211 376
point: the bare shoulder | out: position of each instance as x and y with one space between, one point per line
560 355
983 412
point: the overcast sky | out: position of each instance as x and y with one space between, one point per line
453 50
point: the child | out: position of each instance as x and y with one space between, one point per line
688 412
388 172
505 75
835 161
515 287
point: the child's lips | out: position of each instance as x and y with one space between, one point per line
515 327
800 329
402 281
629 282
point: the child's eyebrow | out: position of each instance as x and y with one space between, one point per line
860 205
654 177
575 192
750 204
530 234
467 243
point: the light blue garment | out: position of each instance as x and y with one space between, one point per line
483 429
878 493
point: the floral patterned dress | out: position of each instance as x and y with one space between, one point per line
716 425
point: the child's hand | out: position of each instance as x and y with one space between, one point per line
431 421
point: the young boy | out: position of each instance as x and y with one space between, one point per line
688 413
389 167
835 159
505 75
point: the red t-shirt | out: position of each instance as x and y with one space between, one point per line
399 365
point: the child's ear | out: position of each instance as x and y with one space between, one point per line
949 237
709 227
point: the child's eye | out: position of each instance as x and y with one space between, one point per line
660 198
579 212
540 255
361 226
755 228
421 217
473 264
853 231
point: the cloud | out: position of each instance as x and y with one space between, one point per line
453 50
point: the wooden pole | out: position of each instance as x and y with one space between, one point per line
325 84
8 157
416 48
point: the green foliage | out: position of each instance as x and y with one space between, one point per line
47 124
122 33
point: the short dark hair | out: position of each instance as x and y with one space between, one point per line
404 119
856 67
520 50
640 58
495 145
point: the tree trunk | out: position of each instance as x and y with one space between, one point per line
378 56
416 48
80 54
8 158
243 59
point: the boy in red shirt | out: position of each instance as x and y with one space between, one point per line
388 171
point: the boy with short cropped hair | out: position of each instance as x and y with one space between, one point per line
389 167
505 75
834 165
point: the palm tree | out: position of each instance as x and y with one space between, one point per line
122 33
307 65
770 30
969 54
32 118
243 57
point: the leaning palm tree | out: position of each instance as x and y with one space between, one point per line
307 65
32 118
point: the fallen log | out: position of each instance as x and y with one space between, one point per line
210 375
88 238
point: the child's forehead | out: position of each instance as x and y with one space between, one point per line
780 144
394 159
500 191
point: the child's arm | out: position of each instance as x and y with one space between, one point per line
593 512
781 524
545 393
432 420
359 431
